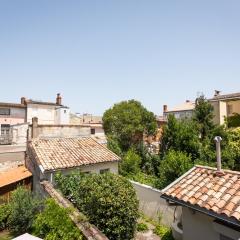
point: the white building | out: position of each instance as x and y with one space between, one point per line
48 112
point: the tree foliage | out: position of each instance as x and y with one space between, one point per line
53 223
180 135
108 200
203 116
23 209
127 121
173 165
233 121
130 164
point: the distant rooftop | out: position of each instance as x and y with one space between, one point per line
230 96
187 106
62 153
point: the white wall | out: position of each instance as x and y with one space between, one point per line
62 115
44 113
152 205
199 226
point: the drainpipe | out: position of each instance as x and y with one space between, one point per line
218 140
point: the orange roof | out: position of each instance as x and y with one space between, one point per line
203 187
60 153
14 175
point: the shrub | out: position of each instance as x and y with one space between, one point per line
53 223
143 178
108 200
173 165
4 214
130 164
233 121
23 208
164 232
142 227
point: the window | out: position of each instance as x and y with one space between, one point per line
4 111
104 170
223 237
93 131
229 109
5 129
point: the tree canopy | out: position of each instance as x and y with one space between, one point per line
127 122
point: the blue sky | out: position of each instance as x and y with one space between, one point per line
97 53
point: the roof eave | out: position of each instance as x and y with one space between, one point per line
197 208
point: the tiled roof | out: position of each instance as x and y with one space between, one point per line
226 96
187 106
202 187
14 175
60 153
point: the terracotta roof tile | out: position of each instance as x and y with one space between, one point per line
202 187
14 175
60 153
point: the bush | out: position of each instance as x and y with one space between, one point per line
53 223
23 209
164 232
173 165
143 178
142 227
233 121
130 164
108 200
4 214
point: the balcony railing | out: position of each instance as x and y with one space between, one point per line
6 139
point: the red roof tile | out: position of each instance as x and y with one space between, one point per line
205 189
60 153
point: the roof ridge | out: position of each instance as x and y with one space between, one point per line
215 169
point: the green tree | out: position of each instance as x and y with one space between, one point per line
108 200
127 122
23 209
203 116
53 223
172 166
130 164
180 135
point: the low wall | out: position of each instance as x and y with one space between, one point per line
61 131
153 206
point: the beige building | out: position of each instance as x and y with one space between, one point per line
210 201
182 111
46 156
225 106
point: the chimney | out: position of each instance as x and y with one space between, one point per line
165 108
218 140
187 101
34 127
217 93
23 100
59 99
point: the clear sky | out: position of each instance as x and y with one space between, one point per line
96 53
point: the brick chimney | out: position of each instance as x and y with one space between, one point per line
165 108
34 127
59 99
23 100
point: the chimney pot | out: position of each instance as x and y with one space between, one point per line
165 108
217 93
218 140
59 99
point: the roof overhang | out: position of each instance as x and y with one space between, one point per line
197 208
